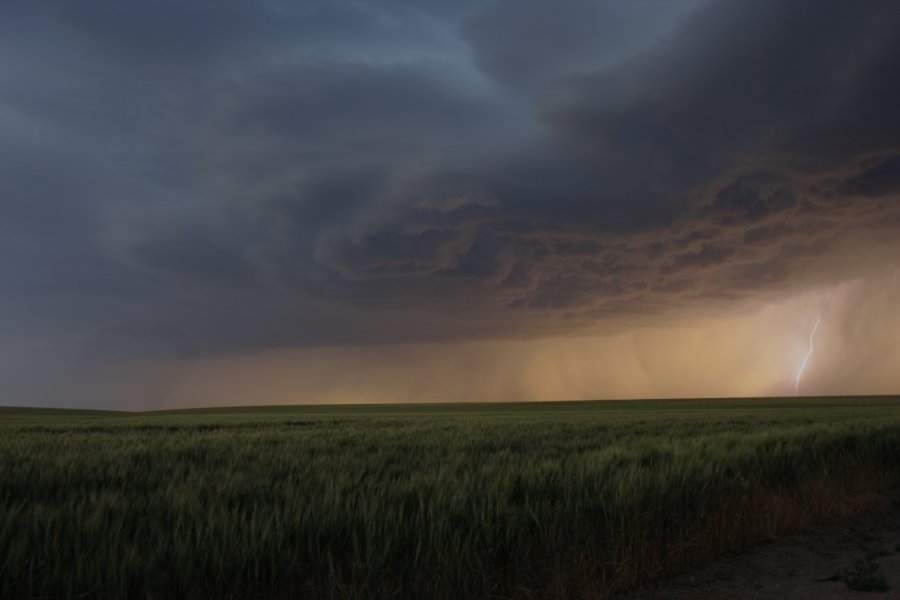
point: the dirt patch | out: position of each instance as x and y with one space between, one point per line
815 564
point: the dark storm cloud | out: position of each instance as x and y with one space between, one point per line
228 175
882 179
525 44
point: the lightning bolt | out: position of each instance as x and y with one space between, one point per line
809 353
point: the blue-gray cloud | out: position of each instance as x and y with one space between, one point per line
200 177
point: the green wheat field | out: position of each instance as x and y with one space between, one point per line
561 500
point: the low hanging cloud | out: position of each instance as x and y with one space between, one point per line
748 353
203 179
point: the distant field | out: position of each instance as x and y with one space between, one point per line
563 500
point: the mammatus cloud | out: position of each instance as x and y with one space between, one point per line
199 180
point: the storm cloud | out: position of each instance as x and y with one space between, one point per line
201 179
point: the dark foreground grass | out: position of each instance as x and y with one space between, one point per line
570 500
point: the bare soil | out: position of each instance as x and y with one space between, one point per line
799 567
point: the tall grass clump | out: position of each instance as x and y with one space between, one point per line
440 505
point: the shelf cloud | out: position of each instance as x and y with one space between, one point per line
199 181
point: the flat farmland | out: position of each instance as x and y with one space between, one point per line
556 500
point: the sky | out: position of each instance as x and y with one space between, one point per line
223 202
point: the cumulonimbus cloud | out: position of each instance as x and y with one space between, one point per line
281 175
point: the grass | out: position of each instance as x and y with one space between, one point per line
865 575
564 500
